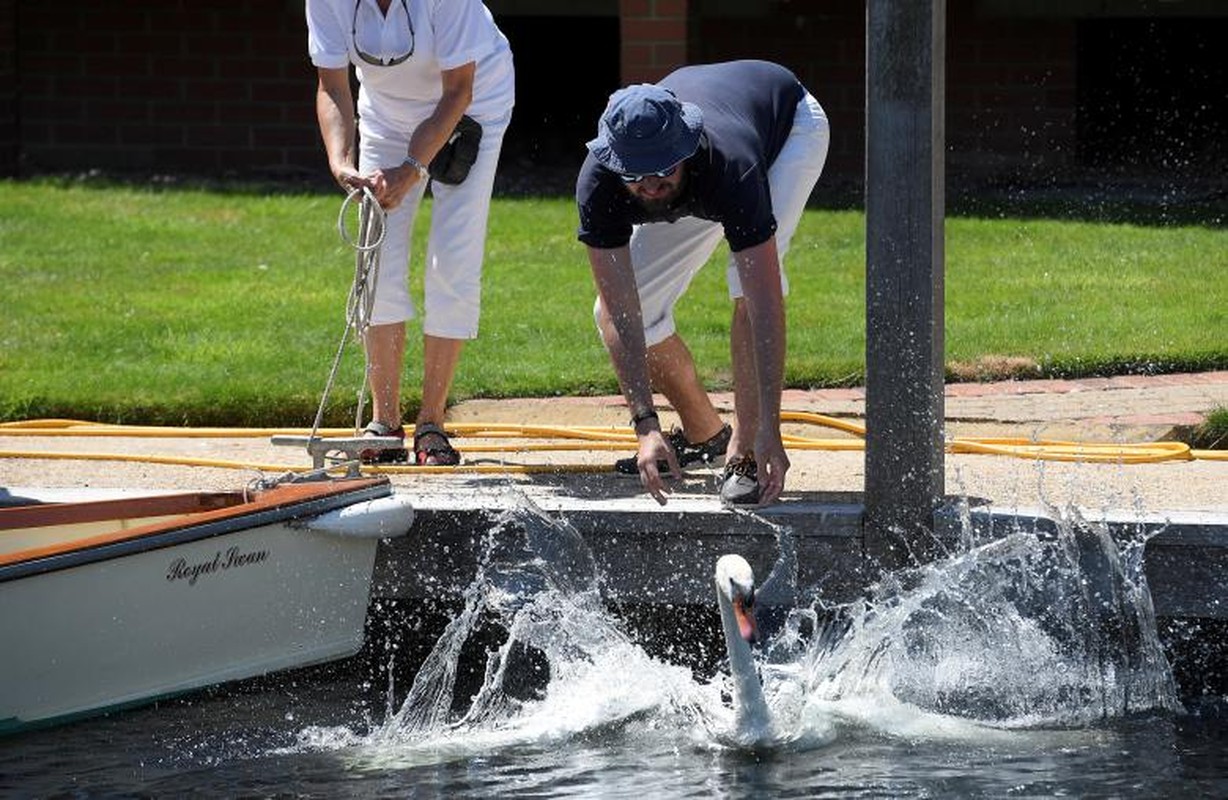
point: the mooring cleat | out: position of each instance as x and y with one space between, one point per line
320 448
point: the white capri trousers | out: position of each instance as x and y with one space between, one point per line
666 255
456 244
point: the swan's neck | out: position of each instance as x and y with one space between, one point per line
748 700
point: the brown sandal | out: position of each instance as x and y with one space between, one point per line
444 455
394 455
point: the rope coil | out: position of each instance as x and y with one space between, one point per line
361 299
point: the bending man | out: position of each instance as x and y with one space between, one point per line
729 150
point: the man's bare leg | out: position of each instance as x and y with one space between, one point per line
672 370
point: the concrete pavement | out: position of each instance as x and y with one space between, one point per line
1122 410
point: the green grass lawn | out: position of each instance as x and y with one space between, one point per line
186 306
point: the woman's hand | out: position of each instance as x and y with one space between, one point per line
391 185
348 178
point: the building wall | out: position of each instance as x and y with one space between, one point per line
179 86
824 44
1011 95
8 87
654 37
226 90
1010 87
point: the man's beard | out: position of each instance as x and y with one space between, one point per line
664 206
657 205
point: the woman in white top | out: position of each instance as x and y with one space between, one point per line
421 65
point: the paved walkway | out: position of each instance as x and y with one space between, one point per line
1133 409
1125 410
1126 401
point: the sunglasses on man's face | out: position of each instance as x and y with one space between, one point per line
665 173
380 62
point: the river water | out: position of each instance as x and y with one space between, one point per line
1008 669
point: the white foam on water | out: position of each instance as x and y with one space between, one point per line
1026 633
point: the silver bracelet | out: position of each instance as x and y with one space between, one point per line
416 164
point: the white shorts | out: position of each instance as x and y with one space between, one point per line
452 280
667 255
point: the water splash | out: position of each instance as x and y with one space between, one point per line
1035 629
1048 630
566 669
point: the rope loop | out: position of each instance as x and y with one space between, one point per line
370 221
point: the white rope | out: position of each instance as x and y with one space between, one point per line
366 244
361 244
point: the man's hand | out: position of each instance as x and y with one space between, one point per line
773 465
654 448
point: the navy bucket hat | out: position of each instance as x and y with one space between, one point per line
645 128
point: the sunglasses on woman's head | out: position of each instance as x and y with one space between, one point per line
380 62
665 173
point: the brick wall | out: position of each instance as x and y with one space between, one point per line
227 89
1011 95
653 38
218 89
8 87
824 44
1010 83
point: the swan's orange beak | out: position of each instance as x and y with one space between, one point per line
744 613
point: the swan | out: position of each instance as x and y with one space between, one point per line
735 595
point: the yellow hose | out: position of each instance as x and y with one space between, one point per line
579 437
1075 451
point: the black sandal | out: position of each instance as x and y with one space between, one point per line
444 455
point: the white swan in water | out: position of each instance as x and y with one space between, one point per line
735 594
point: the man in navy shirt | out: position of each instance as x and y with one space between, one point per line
716 151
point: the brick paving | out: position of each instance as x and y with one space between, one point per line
1124 401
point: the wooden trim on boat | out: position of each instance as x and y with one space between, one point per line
41 515
189 510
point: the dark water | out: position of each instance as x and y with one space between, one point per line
247 744
995 673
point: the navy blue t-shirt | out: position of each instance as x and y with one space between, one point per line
748 112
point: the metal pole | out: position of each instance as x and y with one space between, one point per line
905 43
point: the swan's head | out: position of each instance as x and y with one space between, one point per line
735 587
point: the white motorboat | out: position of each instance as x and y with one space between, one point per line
113 603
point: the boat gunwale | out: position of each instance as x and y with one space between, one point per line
283 502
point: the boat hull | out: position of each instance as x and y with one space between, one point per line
228 595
